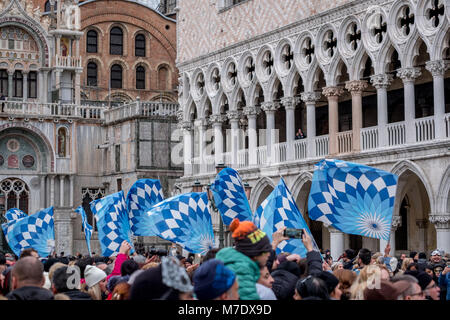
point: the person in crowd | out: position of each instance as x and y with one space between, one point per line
311 288
386 290
338 265
414 255
436 259
96 281
346 279
62 282
52 270
299 134
405 263
348 258
430 288
27 280
332 284
285 277
444 283
121 291
102 266
370 274
167 281
214 281
264 285
252 250
414 292
363 259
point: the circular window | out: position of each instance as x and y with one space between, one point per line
28 161
13 145
167 27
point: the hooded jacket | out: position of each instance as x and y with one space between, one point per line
285 278
30 293
247 271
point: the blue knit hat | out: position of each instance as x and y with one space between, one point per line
212 279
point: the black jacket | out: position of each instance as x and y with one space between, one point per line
314 260
77 295
285 280
30 293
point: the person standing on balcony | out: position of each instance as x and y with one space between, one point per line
299 134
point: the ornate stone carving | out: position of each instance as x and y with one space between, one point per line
270 106
437 68
217 118
440 221
310 97
252 111
409 74
288 103
332 91
187 125
234 115
381 81
396 222
356 86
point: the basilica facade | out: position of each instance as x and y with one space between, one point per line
88 106
272 87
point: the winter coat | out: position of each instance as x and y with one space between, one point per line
285 279
77 295
444 281
30 293
314 261
247 271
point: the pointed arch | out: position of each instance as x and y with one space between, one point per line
259 191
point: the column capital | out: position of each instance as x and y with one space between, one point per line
396 222
437 67
356 86
180 115
202 123
440 221
234 115
270 106
310 97
332 91
186 125
409 74
381 81
252 111
288 103
216 119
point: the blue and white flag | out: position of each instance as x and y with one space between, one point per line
36 231
279 210
15 214
230 198
113 227
184 219
86 227
353 198
143 195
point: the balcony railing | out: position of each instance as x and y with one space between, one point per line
243 159
68 62
396 133
369 138
36 109
322 145
261 155
345 141
300 149
447 125
146 109
424 129
280 152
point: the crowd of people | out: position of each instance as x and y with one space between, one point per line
250 270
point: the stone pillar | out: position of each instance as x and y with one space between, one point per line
442 224
10 83
52 190
270 108
289 105
332 94
61 190
336 243
63 231
188 138
234 117
72 177
310 99
422 226
42 192
45 86
77 87
382 82
217 120
252 114
437 69
396 222
40 82
409 75
201 124
356 88
25 85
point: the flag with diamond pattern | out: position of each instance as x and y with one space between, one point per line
279 210
15 214
111 216
87 228
229 196
353 198
143 195
185 220
35 231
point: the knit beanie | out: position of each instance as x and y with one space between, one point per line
423 278
212 279
93 275
249 240
330 280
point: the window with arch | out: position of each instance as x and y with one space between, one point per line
139 45
4 82
163 78
47 7
92 74
32 84
140 77
92 41
16 193
116 76
62 142
116 41
18 84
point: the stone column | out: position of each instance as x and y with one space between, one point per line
252 114
45 86
201 124
409 75
382 82
77 87
72 177
289 105
310 99
52 190
40 82
356 88
422 225
234 117
61 190
25 85
10 83
437 69
216 121
396 222
332 94
270 108
42 192
442 224
336 243
188 138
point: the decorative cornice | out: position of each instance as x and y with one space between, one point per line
437 68
332 91
381 81
356 86
409 74
310 97
440 221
